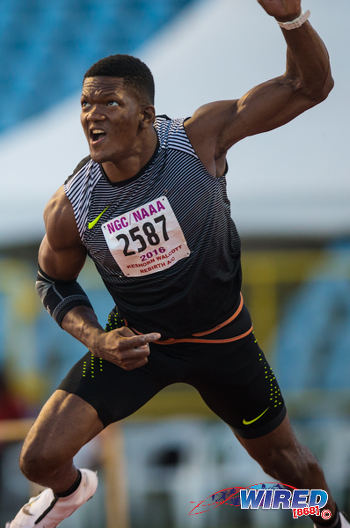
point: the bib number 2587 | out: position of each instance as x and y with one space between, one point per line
145 235
147 239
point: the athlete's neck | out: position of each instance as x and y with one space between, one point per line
132 164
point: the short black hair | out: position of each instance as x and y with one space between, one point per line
133 71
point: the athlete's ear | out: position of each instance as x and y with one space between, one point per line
147 116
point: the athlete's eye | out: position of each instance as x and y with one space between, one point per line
84 104
112 103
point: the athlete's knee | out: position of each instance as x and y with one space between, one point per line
38 460
63 426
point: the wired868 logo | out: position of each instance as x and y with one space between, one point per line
268 496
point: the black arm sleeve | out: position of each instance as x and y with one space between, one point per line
59 296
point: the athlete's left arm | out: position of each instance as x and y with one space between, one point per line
215 127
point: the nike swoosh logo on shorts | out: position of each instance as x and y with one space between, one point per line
248 422
94 222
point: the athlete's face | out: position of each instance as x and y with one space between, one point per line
111 116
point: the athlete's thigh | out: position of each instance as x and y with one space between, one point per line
113 392
64 425
237 383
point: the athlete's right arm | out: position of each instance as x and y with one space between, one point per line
61 258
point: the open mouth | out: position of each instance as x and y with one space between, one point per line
97 135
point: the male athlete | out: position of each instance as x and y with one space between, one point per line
149 206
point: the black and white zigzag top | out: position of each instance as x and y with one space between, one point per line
163 241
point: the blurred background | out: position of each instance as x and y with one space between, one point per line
290 197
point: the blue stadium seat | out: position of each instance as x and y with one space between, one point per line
45 47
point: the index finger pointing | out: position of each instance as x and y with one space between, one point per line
137 340
154 336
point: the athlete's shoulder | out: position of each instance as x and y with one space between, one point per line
164 121
83 180
163 117
59 218
161 124
58 206
83 163
172 134
80 188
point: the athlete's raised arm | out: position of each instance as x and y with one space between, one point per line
215 127
61 257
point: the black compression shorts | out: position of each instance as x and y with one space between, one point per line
234 379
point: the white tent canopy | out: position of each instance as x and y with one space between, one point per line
291 182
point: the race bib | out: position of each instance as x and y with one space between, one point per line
147 239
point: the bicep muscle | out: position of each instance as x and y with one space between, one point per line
61 253
265 107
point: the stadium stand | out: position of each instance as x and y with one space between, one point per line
45 47
313 338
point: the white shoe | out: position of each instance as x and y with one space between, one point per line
47 511
344 523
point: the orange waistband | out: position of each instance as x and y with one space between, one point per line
172 341
194 338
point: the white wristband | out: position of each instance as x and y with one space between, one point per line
297 22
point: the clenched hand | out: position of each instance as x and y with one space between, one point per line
124 348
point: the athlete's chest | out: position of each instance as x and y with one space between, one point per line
148 226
